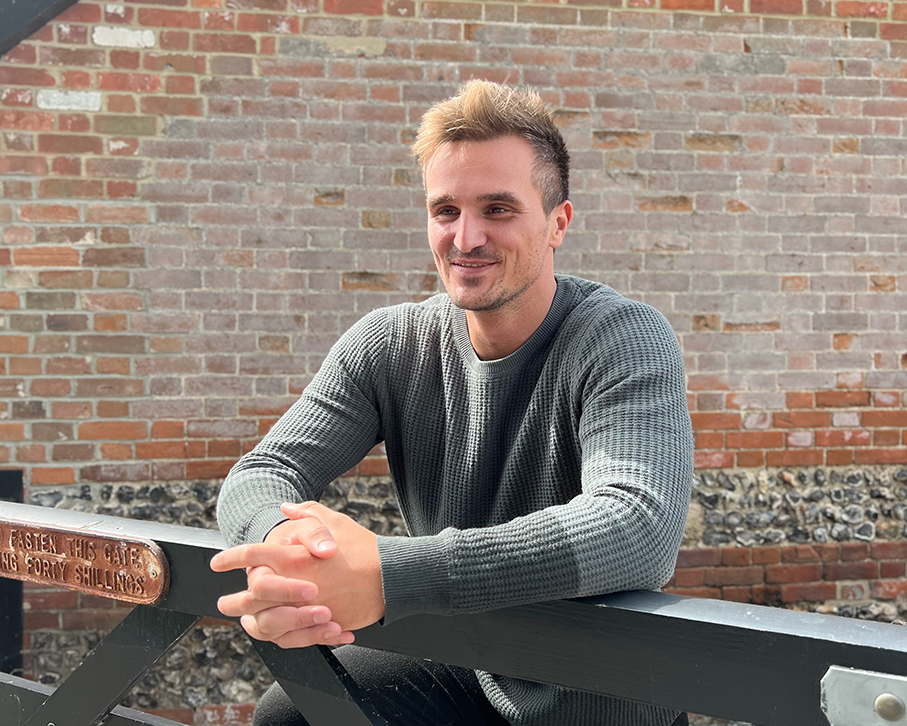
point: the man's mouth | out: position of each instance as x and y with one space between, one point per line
471 263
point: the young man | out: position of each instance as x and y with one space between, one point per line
536 430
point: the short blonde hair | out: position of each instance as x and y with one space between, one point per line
483 111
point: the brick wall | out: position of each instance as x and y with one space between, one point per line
840 576
199 196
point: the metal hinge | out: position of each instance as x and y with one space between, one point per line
863 698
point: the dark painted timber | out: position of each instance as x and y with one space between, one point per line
722 659
21 18
10 590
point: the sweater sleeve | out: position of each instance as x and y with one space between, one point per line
326 432
621 532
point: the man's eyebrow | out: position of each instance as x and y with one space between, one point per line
440 199
490 197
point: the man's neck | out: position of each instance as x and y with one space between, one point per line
495 334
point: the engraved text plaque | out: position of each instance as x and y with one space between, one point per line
133 570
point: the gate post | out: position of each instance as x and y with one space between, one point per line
11 590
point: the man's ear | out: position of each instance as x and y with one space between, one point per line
558 221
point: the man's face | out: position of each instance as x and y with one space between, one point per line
492 242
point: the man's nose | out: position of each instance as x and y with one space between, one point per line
469 233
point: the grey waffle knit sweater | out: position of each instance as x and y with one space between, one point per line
560 471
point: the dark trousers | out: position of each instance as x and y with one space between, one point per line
406 691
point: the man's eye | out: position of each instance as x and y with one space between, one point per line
445 212
497 210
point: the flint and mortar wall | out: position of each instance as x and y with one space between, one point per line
199 196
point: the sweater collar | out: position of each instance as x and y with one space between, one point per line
518 358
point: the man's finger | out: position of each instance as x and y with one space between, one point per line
280 558
303 639
264 584
309 528
328 634
275 622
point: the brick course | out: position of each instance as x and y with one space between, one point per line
233 188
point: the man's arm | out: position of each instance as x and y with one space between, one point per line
621 533
325 433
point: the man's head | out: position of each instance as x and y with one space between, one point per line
483 111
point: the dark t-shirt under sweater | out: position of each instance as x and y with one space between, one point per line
560 471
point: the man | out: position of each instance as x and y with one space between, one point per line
536 430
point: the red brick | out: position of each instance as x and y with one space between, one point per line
880 456
712 421
688 578
766 555
734 576
52 475
124 60
853 551
806 457
208 469
892 569
708 5
800 399
802 419
162 18
839 457
813 592
11 76
799 554
80 13
865 570
223 43
103 620
777 574
889 550
47 599
842 399
766 595
113 430
9 300
40 621
888 589
737 594
27 120
846 438
755 440
777 7
736 556
893 31
12 432
64 144
698 557
180 106
750 459
828 552
262 23
879 419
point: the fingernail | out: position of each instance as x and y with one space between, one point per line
325 546
322 618
215 561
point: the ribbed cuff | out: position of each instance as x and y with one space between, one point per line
262 523
415 576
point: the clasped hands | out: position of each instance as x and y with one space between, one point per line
314 579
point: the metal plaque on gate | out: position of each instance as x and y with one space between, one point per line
134 570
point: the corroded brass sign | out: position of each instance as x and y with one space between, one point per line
134 570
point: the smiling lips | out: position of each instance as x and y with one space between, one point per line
471 264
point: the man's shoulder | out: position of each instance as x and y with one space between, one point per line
601 316
595 301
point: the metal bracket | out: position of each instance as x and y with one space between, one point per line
852 697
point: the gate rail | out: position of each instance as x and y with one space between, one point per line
723 659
